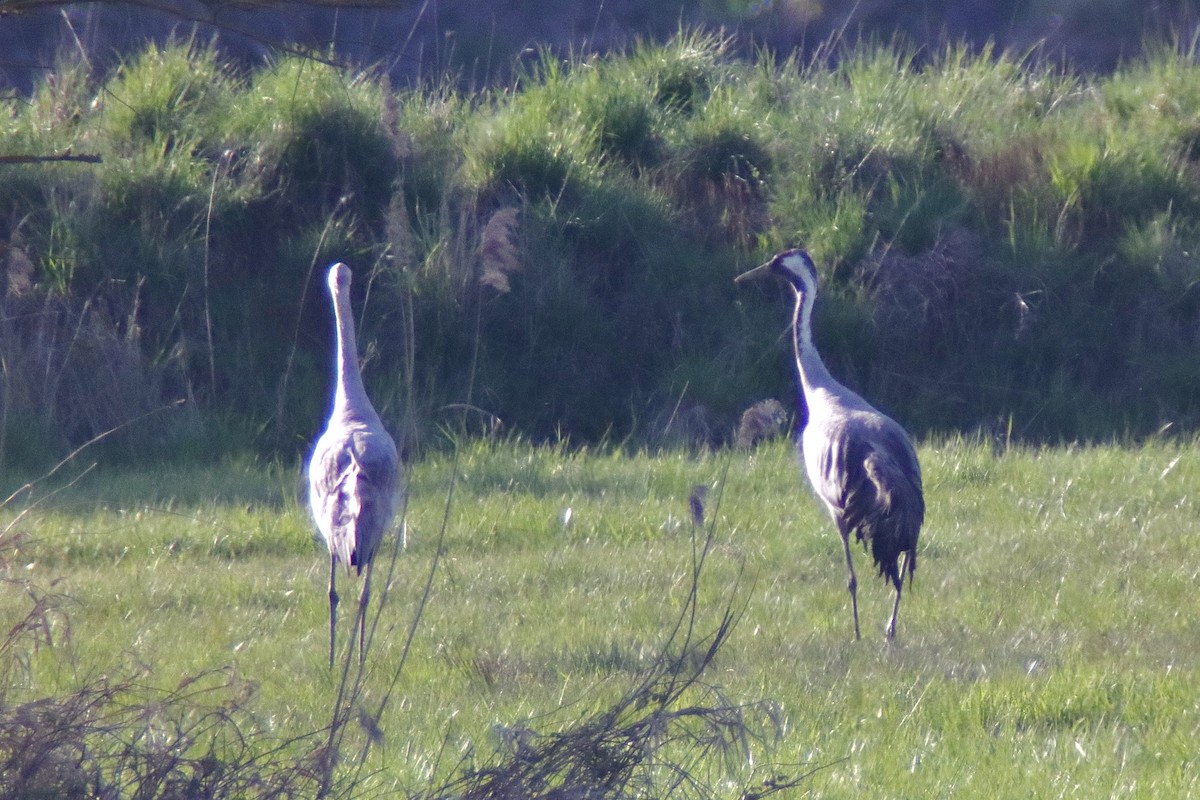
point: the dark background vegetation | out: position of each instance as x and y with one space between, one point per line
1022 283
478 42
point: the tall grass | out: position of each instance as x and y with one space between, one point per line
1046 641
1033 232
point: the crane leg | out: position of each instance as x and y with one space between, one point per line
363 598
333 603
852 584
905 561
899 584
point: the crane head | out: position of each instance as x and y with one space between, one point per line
795 266
339 279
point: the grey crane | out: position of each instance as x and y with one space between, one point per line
353 475
860 462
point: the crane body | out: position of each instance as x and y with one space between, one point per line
860 462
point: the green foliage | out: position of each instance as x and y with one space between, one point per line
179 92
997 238
682 72
428 123
315 134
621 116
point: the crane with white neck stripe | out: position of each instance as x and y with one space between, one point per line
860 462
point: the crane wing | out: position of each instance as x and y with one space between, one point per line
864 468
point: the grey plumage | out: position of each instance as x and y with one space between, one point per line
353 475
860 462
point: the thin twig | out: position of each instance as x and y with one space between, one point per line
34 159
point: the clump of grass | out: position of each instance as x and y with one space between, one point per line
115 737
170 96
316 134
524 150
159 130
429 125
655 738
617 109
684 71
723 168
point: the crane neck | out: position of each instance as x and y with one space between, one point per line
810 369
349 396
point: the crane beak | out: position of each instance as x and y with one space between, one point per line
757 272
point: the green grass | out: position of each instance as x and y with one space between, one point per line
1048 646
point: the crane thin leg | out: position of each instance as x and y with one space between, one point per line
905 566
333 604
852 584
364 597
891 628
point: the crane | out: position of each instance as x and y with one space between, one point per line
353 475
860 462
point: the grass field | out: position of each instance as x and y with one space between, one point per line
1049 648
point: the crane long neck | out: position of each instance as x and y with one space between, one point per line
809 367
349 394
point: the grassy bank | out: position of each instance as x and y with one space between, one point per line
1048 645
1005 246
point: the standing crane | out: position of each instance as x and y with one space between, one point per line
860 462
353 476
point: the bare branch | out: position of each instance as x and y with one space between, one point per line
32 159
212 6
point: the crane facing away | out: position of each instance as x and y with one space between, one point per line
353 476
860 462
